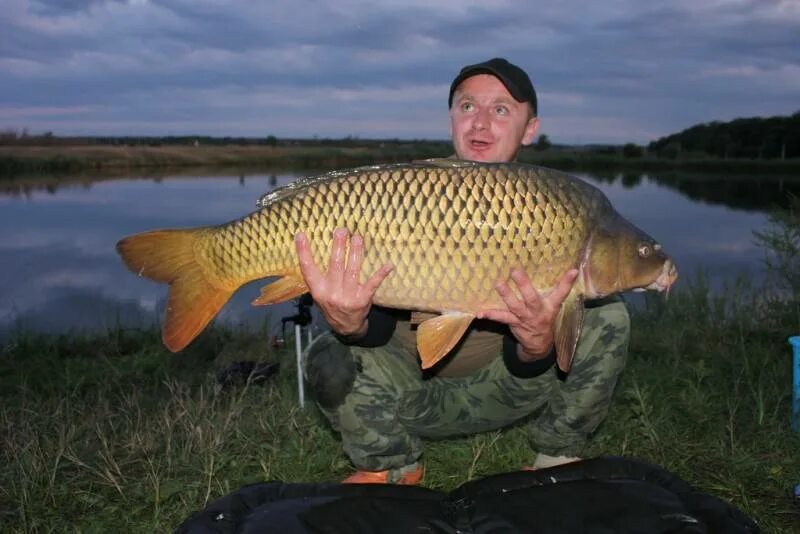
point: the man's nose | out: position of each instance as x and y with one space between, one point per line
481 119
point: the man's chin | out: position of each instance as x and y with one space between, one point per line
484 156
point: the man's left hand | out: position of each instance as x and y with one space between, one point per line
531 316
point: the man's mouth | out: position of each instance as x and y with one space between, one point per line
478 144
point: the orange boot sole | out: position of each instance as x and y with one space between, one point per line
411 478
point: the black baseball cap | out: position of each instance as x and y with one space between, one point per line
514 78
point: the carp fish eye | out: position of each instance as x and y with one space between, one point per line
645 250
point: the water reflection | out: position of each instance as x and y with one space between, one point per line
740 192
59 269
59 266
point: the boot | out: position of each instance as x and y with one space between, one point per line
410 475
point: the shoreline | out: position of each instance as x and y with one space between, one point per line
24 161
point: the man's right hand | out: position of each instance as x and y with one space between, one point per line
339 294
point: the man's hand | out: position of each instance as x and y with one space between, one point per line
531 317
342 299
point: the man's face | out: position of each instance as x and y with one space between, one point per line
486 123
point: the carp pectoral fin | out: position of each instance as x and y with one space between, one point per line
169 256
437 336
568 329
285 288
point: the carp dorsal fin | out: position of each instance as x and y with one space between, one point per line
568 329
446 163
437 336
283 289
280 193
300 184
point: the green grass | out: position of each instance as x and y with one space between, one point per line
110 432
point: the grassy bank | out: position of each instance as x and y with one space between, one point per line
18 161
110 432
23 160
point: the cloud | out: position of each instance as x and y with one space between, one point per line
374 68
44 111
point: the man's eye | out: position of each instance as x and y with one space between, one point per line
501 110
467 106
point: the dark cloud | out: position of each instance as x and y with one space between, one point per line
161 66
64 7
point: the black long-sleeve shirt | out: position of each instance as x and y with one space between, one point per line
381 324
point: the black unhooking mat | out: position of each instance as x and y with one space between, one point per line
603 495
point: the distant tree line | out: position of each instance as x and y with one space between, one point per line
23 137
772 138
756 138
13 137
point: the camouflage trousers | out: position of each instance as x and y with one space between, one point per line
379 402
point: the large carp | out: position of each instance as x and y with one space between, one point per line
452 229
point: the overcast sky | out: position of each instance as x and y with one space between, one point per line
609 71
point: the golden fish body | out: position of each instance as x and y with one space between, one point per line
452 230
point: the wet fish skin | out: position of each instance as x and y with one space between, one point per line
452 229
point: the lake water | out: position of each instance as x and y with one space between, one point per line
59 269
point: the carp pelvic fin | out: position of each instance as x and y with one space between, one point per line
418 317
168 256
568 329
437 336
286 288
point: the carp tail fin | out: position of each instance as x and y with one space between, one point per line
168 256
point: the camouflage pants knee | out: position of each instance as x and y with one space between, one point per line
379 402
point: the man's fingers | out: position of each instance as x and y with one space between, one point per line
503 290
563 287
513 303
338 249
308 268
353 269
377 278
501 316
526 289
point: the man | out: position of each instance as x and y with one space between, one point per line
365 374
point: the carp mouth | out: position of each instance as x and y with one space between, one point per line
665 280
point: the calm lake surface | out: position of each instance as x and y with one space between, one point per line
59 269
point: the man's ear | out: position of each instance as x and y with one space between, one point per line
530 130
